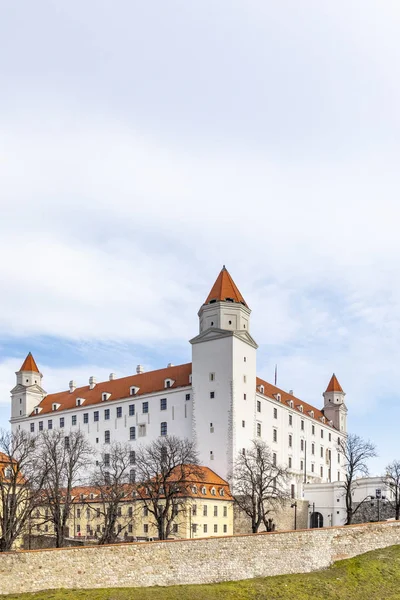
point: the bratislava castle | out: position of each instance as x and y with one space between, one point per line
217 400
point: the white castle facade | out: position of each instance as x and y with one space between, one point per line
217 400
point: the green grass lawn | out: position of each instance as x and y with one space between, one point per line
372 576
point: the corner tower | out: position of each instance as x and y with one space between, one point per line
334 407
223 377
28 392
225 307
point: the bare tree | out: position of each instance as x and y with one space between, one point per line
165 472
110 484
64 459
259 485
355 452
20 485
392 479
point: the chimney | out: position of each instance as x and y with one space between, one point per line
291 392
72 386
139 369
92 382
112 376
169 365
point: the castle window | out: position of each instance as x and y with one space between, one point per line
106 414
313 448
312 413
258 406
204 491
222 493
290 462
134 390
302 445
211 455
275 435
275 413
258 429
40 425
163 428
106 460
330 437
243 423
131 410
32 427
215 528
322 452
187 397
212 394
132 433
107 437
132 457
302 425
213 493
290 420
73 419
86 418
244 378
291 403
62 422
211 428
194 490
96 415
163 404
322 433
312 467
145 407
244 396
244 358
50 424
301 408
119 412
142 430
262 389
212 376
290 440
313 429
301 465
322 471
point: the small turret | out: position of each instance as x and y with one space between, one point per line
28 392
334 407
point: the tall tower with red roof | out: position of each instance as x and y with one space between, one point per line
28 392
223 376
334 407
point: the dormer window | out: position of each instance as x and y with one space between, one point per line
80 401
190 378
323 419
37 410
133 390
105 396
91 496
213 491
8 472
301 408
194 489
291 403
55 406
278 397
222 492
203 490
312 413
261 389
168 383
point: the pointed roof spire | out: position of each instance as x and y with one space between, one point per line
334 385
225 288
29 364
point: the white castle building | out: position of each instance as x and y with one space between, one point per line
217 399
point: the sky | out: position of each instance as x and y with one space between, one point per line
145 144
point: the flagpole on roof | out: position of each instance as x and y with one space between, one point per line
276 374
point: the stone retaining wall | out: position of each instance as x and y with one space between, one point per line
190 561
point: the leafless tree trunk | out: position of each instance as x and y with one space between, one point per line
392 479
64 459
111 485
166 469
355 452
20 485
259 485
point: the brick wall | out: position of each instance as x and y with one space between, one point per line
191 561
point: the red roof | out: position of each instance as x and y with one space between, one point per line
148 383
225 288
271 391
334 385
29 364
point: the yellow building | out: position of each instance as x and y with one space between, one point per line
206 510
